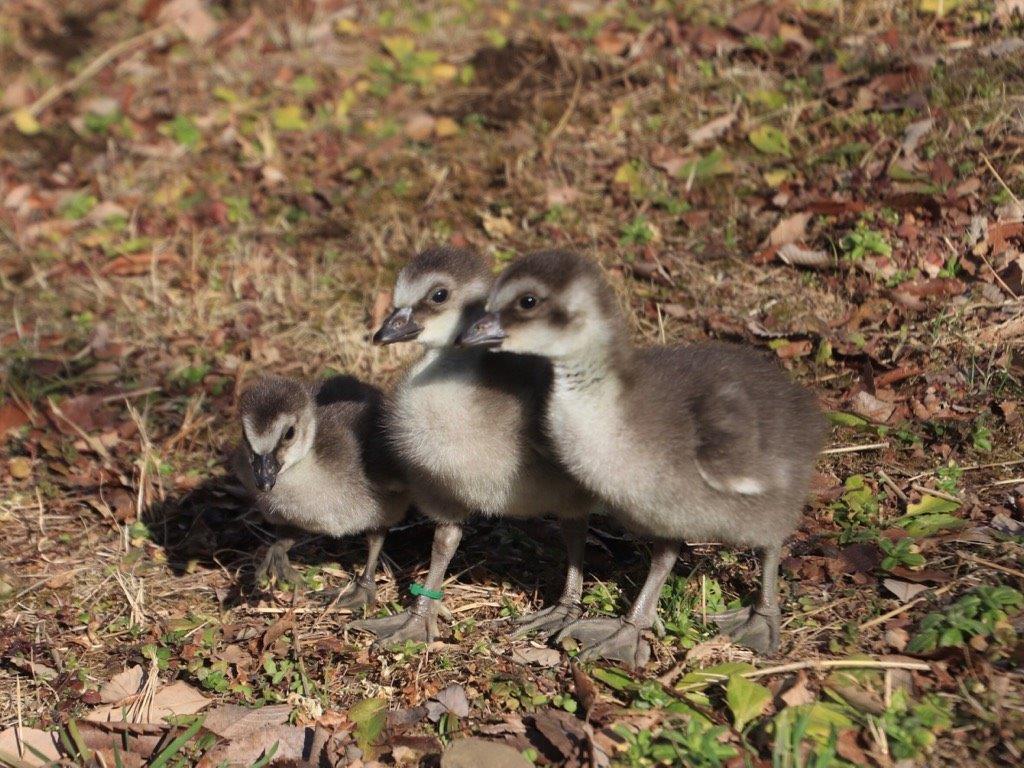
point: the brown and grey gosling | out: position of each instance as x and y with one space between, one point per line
710 442
465 423
314 457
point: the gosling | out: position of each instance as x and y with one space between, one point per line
465 424
315 458
710 442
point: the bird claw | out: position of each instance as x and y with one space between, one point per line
356 595
399 628
613 639
549 620
277 567
753 628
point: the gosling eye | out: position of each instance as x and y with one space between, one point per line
289 434
439 296
529 301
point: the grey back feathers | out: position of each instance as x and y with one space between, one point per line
704 442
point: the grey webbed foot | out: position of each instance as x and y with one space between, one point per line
357 594
277 567
754 628
614 639
407 625
549 620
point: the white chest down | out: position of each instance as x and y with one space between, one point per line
310 497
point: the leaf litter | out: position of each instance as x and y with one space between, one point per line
842 190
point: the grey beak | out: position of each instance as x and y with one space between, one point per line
264 469
398 326
485 332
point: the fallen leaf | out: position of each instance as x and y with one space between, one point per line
178 698
450 700
798 693
288 744
445 127
497 226
561 196
747 699
903 590
914 133
711 131
232 721
586 691
26 122
790 229
122 685
478 753
897 637
870 407
191 17
770 141
420 126
795 255
19 743
541 657
20 468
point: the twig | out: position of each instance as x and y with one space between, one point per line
971 468
892 486
999 178
1010 481
549 142
990 564
905 607
855 448
92 68
795 666
936 493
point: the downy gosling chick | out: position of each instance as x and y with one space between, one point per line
710 442
314 457
465 424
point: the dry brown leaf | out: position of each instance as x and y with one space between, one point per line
15 742
178 698
798 693
904 590
541 657
711 131
123 685
793 254
790 229
871 408
191 17
420 126
293 744
562 196
477 753
232 721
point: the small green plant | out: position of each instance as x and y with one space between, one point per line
900 553
856 509
862 241
681 604
603 598
694 743
948 477
911 726
637 232
981 438
976 614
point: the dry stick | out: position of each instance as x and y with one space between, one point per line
549 143
999 178
1010 481
94 66
892 486
971 468
990 564
937 493
855 448
905 607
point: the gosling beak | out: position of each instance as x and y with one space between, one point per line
398 326
485 332
264 469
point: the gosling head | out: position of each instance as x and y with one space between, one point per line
551 303
279 425
437 293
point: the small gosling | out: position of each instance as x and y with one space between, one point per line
710 442
315 458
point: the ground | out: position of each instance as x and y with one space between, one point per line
193 193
